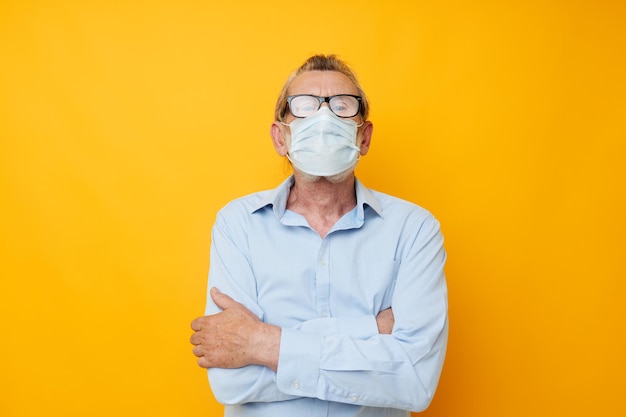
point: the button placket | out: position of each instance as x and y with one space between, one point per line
322 279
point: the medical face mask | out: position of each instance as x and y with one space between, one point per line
323 144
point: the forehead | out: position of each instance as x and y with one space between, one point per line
322 83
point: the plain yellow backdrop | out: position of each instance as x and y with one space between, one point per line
125 126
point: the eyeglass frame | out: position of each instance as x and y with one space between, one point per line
323 100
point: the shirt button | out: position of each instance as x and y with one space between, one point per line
322 261
354 398
324 314
296 384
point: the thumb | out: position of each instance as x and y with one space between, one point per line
222 300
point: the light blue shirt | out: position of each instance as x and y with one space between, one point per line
325 295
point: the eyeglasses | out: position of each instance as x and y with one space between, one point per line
343 105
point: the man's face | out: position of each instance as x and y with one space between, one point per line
326 84
322 84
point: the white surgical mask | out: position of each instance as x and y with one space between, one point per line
323 144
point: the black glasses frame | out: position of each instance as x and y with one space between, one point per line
326 100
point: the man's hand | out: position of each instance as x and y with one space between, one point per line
385 321
234 337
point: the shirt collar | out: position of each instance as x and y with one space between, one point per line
277 198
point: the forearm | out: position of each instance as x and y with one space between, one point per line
257 382
383 371
265 346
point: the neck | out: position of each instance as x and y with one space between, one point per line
322 201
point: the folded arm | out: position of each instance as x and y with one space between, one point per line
236 338
355 360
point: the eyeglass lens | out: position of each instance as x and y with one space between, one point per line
341 105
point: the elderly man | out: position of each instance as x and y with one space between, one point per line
325 298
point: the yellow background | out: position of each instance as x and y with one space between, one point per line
125 126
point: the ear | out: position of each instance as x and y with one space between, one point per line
277 131
366 137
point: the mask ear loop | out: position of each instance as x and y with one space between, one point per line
287 154
358 157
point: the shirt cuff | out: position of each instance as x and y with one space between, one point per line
298 362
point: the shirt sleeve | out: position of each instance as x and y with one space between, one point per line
231 272
400 370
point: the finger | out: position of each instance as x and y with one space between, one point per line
196 325
197 351
203 362
222 300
